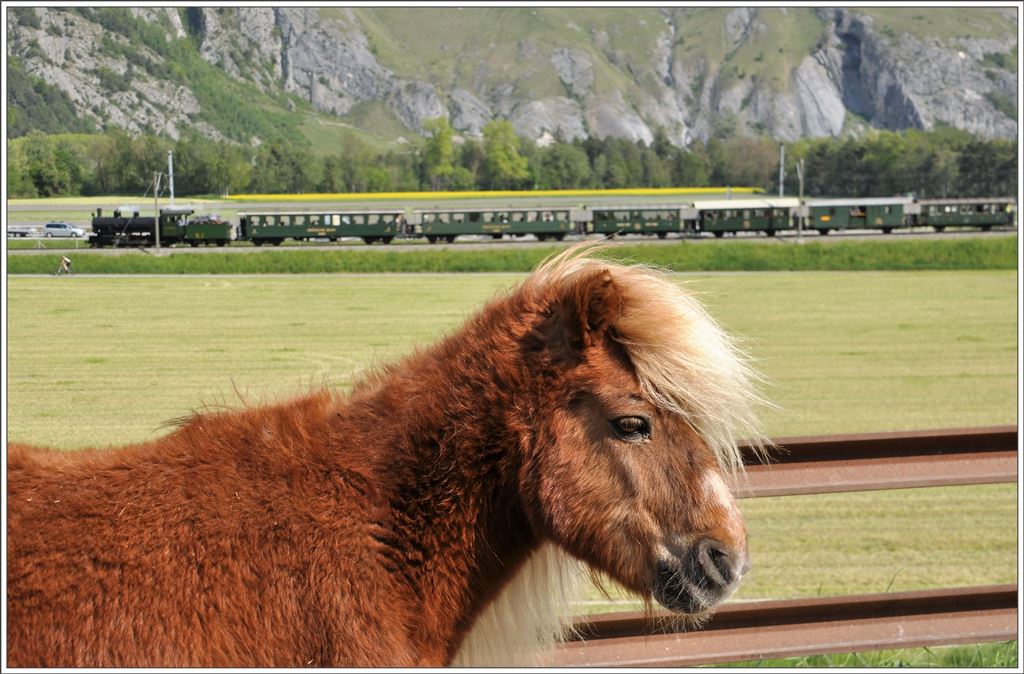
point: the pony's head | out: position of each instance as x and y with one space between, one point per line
641 401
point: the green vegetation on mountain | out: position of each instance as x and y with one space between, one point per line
32 104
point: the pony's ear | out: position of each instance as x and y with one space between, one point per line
582 313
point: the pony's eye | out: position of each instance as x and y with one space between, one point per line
632 428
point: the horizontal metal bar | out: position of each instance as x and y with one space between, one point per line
887 445
789 628
824 464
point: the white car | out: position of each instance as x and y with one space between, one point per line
52 229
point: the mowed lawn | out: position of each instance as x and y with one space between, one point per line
97 361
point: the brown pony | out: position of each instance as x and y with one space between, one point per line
425 518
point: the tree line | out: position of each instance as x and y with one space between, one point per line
943 162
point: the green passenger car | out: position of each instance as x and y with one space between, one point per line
658 220
275 227
885 214
443 223
719 216
983 213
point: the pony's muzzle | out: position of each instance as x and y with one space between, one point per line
699 576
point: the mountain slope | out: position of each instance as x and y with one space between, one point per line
253 73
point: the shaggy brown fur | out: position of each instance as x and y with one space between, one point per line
370 529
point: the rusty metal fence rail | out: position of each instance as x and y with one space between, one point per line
788 628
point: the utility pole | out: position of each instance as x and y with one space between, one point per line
800 211
170 175
782 164
156 207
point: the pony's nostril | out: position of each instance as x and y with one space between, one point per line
714 560
722 566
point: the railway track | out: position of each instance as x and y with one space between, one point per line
485 243
790 628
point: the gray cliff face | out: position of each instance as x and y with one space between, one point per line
904 82
68 58
886 80
243 42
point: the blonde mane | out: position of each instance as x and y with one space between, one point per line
685 362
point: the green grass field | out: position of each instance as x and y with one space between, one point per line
110 360
1002 654
907 254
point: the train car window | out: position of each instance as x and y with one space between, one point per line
373 219
888 210
831 211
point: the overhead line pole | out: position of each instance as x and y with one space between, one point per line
782 164
800 211
156 207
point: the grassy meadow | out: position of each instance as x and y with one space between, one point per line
1003 654
100 360
974 253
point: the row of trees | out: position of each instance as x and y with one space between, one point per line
945 162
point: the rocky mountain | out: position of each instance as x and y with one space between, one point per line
244 73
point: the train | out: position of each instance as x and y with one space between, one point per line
174 224
719 217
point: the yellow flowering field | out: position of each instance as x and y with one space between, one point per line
501 194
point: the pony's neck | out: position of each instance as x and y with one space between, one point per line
451 462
